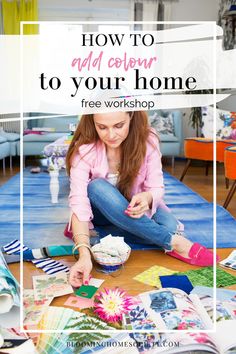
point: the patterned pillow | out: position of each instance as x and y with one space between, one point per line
228 130
225 123
163 125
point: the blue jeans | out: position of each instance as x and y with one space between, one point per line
108 206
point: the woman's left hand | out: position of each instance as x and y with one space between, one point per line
139 204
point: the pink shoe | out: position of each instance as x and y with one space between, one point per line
198 255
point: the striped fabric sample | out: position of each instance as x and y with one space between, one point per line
50 266
14 247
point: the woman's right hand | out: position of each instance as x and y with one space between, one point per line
80 271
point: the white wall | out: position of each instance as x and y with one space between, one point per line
194 10
229 104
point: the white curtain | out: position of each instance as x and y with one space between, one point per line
168 8
150 12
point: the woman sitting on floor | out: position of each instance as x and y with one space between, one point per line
114 163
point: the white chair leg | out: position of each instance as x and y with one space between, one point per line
4 166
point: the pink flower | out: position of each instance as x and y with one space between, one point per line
111 304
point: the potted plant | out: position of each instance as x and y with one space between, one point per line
195 119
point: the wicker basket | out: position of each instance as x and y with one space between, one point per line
109 262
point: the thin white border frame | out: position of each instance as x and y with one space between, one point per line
214 178
22 23
21 182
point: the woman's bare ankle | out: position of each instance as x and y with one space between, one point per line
181 245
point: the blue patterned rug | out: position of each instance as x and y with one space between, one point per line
44 222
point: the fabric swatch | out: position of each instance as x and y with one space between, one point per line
151 275
50 266
14 247
204 277
176 281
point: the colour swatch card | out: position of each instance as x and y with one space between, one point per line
66 319
96 282
51 286
79 302
86 291
151 275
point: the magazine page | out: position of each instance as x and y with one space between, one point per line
225 305
225 336
9 296
12 340
225 319
230 261
199 342
173 309
173 343
176 342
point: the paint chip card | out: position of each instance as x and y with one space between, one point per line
79 302
86 291
96 282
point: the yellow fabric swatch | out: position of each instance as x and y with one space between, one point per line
151 275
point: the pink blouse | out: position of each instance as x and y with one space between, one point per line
94 165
